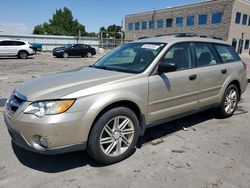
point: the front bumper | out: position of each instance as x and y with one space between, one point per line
57 54
64 133
20 141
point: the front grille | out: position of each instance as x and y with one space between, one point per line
15 101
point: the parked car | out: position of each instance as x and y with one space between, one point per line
105 107
62 47
74 50
21 49
37 47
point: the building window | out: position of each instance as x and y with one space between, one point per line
203 19
179 21
144 25
238 17
234 43
137 25
169 22
244 20
190 20
160 24
130 26
216 18
246 45
151 24
249 21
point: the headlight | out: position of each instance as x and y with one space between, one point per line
43 108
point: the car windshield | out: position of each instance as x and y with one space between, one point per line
130 57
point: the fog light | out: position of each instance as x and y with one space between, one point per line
43 142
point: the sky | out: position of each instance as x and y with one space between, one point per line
20 16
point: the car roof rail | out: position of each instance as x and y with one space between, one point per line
179 35
186 35
195 35
143 37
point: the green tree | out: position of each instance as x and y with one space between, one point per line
61 23
92 34
111 31
114 31
103 32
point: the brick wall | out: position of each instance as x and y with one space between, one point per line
209 7
236 30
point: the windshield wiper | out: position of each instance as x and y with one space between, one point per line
112 68
101 67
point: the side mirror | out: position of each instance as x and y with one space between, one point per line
164 67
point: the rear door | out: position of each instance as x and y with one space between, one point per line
210 72
175 92
16 46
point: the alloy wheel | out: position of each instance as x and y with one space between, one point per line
230 101
117 136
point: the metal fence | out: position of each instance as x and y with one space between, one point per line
49 42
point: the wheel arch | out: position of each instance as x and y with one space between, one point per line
22 50
237 84
123 103
227 84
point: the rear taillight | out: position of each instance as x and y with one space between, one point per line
245 65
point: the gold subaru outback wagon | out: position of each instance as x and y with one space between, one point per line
105 107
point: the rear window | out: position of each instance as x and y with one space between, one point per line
226 53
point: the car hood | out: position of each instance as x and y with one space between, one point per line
59 48
55 86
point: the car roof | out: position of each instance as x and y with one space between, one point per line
175 39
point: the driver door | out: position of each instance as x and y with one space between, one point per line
177 92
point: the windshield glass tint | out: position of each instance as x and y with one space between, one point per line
130 57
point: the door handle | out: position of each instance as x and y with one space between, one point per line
193 77
224 71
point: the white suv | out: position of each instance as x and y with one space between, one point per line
17 48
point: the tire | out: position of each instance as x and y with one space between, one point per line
23 55
65 55
229 102
109 145
89 54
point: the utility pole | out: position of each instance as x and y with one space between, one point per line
79 36
101 40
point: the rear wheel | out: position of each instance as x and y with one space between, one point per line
23 55
89 54
229 102
65 55
114 135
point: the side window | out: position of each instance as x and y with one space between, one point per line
226 53
77 46
19 43
5 43
204 55
181 55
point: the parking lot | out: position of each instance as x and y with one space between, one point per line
197 151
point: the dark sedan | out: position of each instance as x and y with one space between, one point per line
74 50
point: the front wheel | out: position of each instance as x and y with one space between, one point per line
65 55
114 135
229 102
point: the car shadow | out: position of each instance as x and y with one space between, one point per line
171 127
14 58
68 161
74 57
2 102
